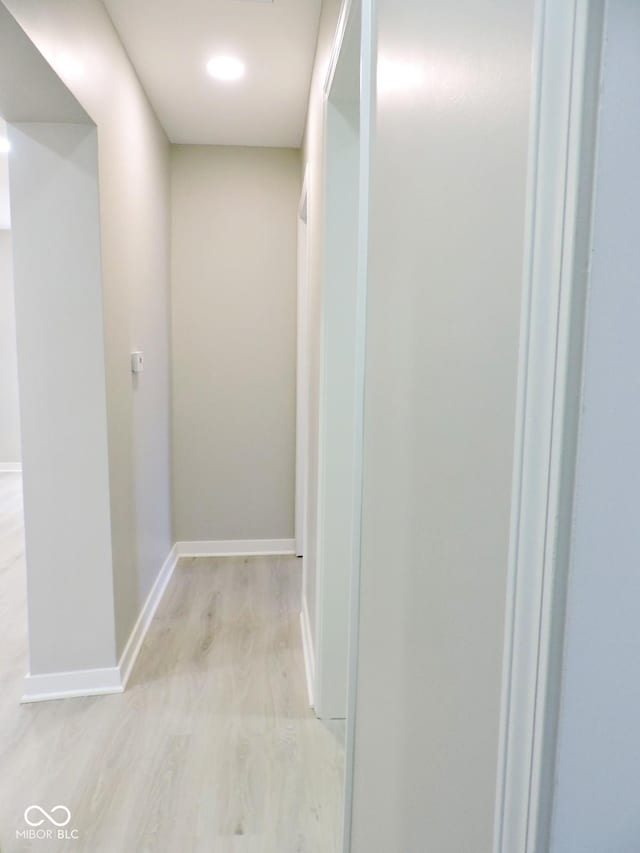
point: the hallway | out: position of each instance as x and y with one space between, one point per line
213 746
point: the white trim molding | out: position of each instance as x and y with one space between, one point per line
368 70
10 468
136 639
96 682
307 648
68 685
554 287
341 28
237 548
302 369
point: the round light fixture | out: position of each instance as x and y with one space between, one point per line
5 146
225 68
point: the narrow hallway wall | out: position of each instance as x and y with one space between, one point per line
80 43
234 233
59 313
10 453
448 190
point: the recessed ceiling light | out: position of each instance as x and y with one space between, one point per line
5 146
225 68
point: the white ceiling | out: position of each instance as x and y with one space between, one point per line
5 216
170 42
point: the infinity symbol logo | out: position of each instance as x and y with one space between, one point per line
47 815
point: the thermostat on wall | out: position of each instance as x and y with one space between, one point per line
137 362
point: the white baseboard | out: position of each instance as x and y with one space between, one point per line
307 648
96 682
10 468
66 685
237 547
136 639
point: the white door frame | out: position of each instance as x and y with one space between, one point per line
302 381
368 65
367 100
566 62
338 447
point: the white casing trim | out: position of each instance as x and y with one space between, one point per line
542 410
341 28
302 372
236 547
10 468
307 648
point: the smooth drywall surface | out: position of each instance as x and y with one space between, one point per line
82 46
445 276
5 212
29 89
313 155
597 774
234 233
10 454
59 318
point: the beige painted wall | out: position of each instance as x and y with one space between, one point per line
234 232
445 277
313 155
81 44
9 413
59 314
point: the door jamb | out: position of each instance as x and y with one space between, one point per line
549 379
302 381
322 707
368 11
368 68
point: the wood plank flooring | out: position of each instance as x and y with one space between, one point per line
212 749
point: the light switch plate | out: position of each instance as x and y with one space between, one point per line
137 362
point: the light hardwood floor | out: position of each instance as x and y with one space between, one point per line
212 747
